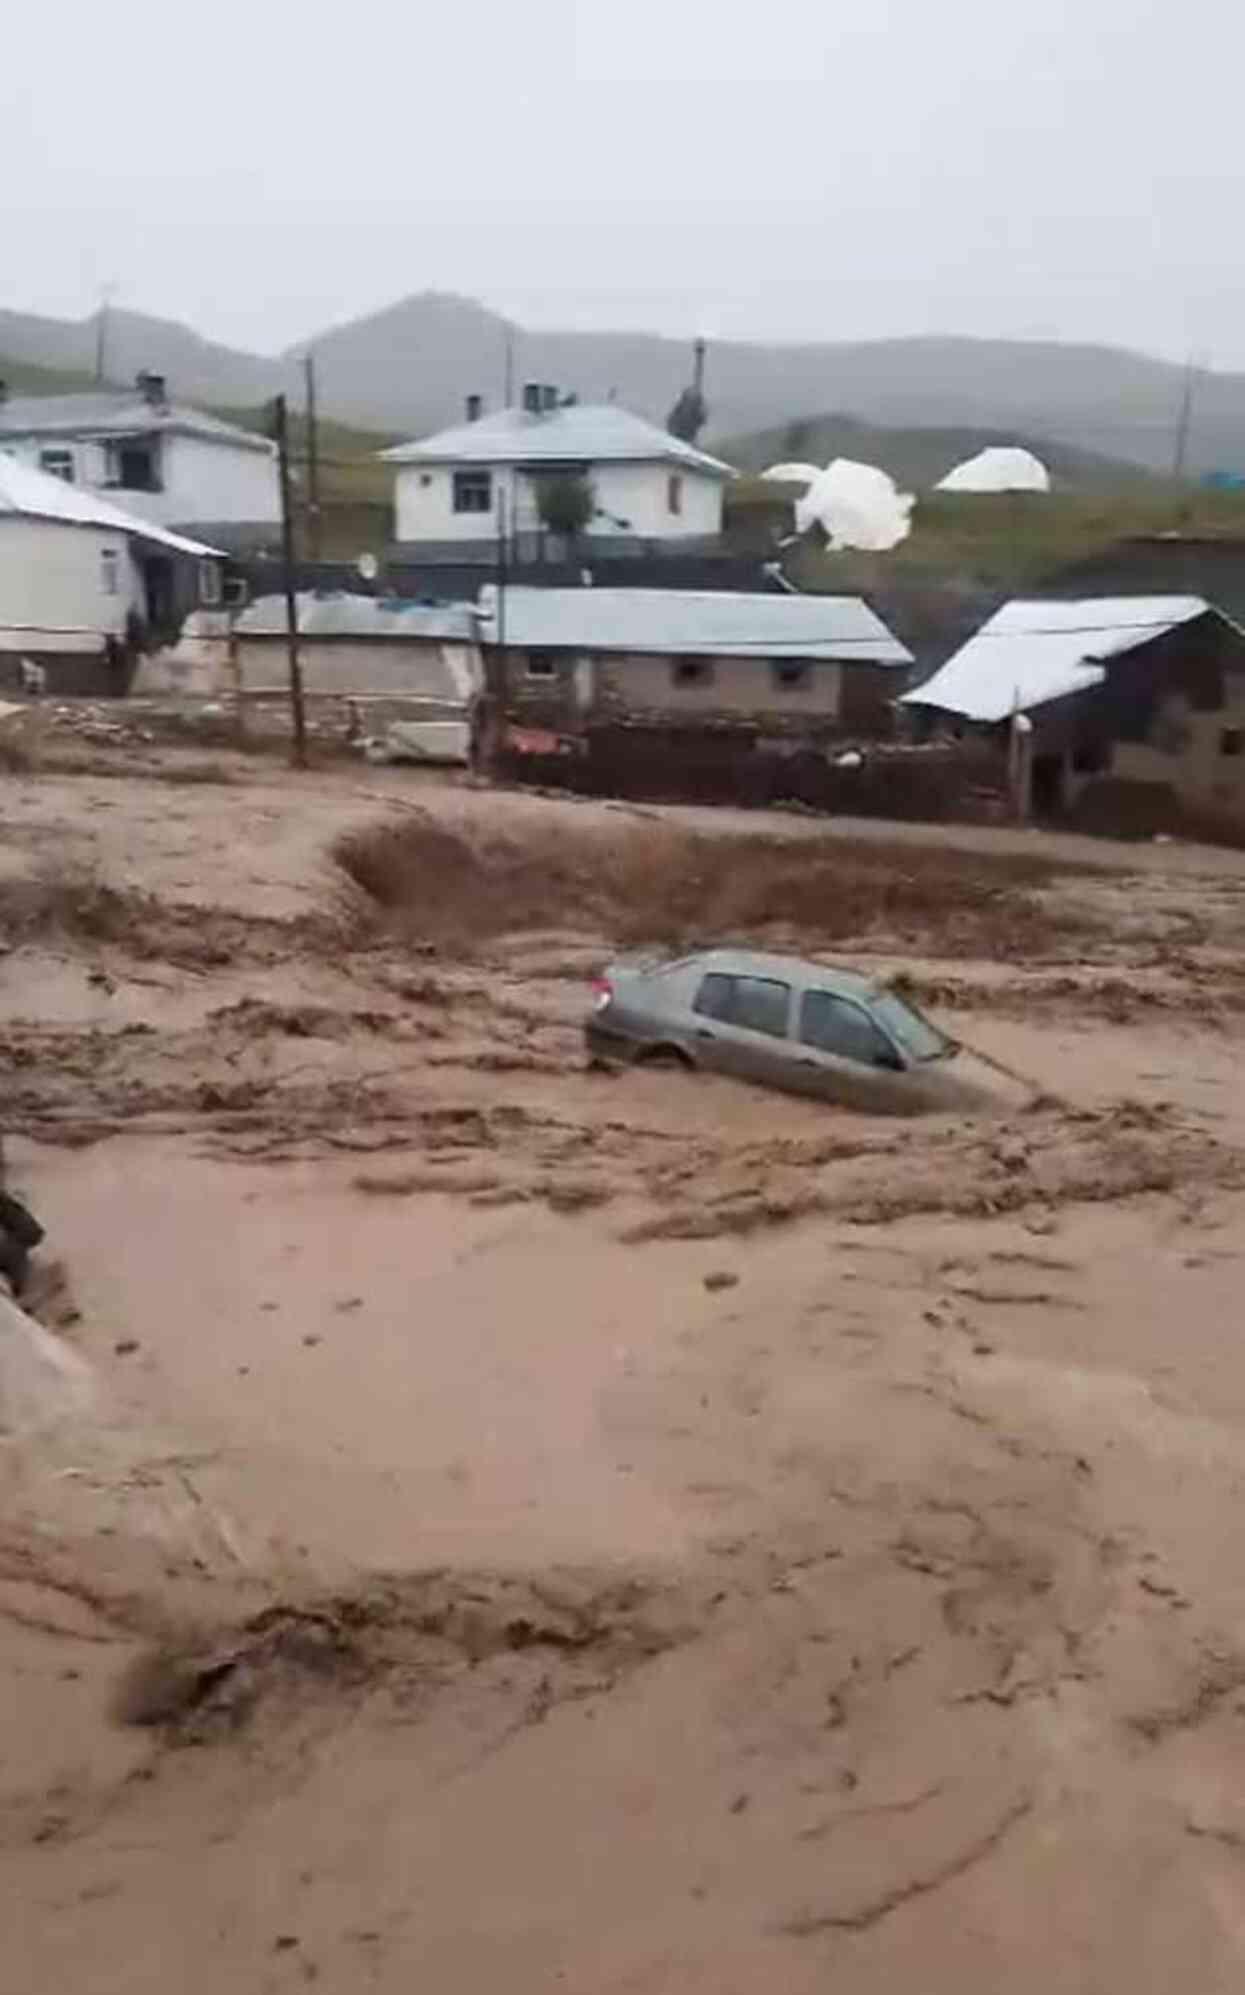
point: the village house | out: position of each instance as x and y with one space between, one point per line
662 682
166 462
481 483
85 587
1139 698
370 665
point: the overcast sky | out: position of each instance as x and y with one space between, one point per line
781 168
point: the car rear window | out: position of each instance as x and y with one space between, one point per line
836 1025
758 1004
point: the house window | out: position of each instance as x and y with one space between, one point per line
211 585
1232 741
57 464
541 665
134 467
110 571
674 494
691 671
473 491
790 675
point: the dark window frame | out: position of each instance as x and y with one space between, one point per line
1232 741
691 672
542 665
468 488
791 675
58 461
674 494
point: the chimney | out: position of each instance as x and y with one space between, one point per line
533 398
475 408
154 390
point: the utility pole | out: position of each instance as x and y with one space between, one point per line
1180 458
313 459
101 332
281 435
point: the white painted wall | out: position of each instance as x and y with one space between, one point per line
638 493
204 481
53 578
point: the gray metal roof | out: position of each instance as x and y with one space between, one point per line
584 433
29 494
351 616
116 412
1034 651
691 621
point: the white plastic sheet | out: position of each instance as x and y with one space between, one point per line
999 469
858 506
793 474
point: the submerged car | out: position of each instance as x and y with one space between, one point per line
834 1034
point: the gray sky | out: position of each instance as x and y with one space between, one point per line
786 168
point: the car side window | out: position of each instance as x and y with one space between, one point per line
758 1004
836 1025
762 1004
713 999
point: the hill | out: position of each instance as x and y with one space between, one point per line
406 369
917 457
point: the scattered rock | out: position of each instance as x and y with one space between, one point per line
720 1278
126 1346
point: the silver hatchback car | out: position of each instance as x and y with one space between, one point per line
784 1022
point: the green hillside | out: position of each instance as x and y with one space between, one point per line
1007 542
21 377
917 457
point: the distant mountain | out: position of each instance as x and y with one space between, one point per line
198 370
918 457
406 370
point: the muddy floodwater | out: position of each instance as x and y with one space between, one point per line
625 1532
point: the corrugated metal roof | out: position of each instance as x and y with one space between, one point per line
34 494
584 433
116 413
346 615
705 621
1031 652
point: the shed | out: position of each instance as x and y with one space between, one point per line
695 659
1144 690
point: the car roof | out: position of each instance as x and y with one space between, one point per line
798 969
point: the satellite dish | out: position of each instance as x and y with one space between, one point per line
368 567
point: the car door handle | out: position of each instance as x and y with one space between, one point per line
703 1032
804 1061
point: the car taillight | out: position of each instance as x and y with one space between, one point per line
602 993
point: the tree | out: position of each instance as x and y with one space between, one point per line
688 416
797 438
566 504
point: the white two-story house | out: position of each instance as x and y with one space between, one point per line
480 482
170 464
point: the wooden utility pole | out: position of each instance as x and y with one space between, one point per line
101 332
314 537
1184 422
298 714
